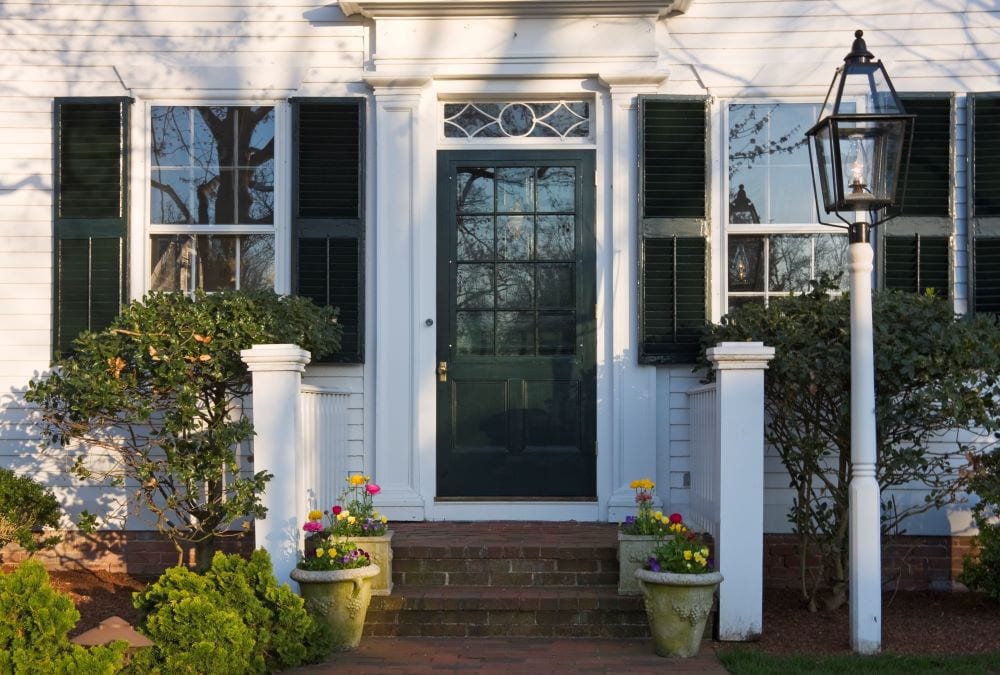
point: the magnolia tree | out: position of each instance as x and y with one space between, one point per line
936 384
153 404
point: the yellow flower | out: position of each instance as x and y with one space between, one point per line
315 515
642 484
687 554
384 520
319 553
357 479
375 515
704 552
658 515
351 520
332 552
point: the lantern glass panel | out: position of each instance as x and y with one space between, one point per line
825 158
870 153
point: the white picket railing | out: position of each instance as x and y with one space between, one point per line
704 416
323 444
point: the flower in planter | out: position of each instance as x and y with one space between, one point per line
334 554
355 515
684 553
648 521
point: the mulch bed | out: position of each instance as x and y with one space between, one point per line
913 622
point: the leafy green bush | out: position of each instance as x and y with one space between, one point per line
26 507
934 373
35 625
982 573
235 604
157 391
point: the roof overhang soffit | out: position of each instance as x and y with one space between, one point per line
377 9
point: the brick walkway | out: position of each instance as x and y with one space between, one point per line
513 656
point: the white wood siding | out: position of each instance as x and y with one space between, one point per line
267 50
786 49
147 49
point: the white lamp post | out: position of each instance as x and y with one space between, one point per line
856 149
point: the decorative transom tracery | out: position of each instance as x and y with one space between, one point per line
553 119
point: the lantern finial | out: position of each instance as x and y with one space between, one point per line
859 50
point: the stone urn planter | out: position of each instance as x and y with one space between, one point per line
339 597
633 552
677 606
380 550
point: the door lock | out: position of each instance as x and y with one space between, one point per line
442 371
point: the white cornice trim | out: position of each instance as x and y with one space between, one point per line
635 79
377 9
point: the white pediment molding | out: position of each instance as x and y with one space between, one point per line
377 9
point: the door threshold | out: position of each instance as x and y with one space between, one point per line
516 499
520 509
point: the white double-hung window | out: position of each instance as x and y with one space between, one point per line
211 197
775 246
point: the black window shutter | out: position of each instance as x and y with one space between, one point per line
915 247
984 201
90 215
917 263
986 155
328 213
928 180
672 246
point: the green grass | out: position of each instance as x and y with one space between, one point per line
750 662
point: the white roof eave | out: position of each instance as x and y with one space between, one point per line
377 9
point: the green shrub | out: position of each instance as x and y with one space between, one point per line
934 373
235 604
35 625
983 573
25 508
157 390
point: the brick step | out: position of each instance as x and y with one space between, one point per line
505 554
476 611
549 568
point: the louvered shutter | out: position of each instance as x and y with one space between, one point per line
90 215
917 263
984 200
928 180
329 211
673 209
915 247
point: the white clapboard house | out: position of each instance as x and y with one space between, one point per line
525 209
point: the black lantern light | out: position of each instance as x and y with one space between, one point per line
856 146
856 149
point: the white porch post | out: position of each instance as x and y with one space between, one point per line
739 549
277 377
397 295
863 494
633 418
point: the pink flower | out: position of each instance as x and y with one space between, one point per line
337 510
373 489
675 518
643 497
313 526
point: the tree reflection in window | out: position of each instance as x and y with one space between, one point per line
212 166
770 190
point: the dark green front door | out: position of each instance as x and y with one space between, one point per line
516 325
